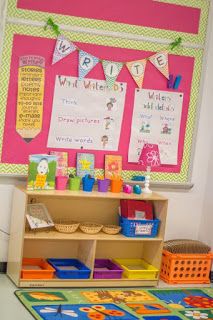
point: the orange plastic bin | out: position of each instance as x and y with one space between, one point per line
36 268
185 268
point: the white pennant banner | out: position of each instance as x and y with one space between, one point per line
86 63
160 61
63 48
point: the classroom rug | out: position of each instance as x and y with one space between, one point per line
118 304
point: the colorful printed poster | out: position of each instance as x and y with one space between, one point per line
62 162
31 76
113 166
156 120
41 172
86 114
85 164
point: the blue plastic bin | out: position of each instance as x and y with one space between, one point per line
139 228
64 271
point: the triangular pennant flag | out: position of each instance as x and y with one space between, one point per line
137 70
111 71
63 48
160 61
86 63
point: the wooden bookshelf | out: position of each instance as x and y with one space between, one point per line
80 206
78 235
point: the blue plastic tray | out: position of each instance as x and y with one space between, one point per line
139 228
80 271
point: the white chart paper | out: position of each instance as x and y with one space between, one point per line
86 114
156 120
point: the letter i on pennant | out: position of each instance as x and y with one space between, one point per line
137 71
111 71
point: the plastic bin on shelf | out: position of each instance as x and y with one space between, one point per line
185 268
106 269
36 268
139 228
70 269
137 269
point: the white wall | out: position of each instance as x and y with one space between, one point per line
189 212
206 223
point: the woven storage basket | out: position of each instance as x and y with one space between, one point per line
111 229
186 246
67 227
91 228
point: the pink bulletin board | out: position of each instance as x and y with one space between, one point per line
145 13
16 151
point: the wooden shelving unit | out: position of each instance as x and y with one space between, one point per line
80 206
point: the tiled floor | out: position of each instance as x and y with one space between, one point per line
12 309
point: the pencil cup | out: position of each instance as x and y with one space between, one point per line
61 182
116 185
103 185
88 183
74 183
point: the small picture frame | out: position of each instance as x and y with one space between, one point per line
38 216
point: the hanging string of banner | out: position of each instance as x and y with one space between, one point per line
87 62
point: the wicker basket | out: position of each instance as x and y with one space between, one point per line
111 229
67 227
91 228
